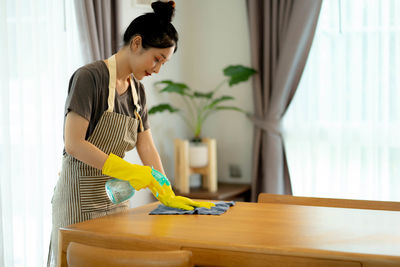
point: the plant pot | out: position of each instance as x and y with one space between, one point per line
195 158
198 154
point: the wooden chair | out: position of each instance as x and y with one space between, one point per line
328 202
79 255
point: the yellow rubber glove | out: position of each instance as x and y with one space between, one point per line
143 176
138 176
166 195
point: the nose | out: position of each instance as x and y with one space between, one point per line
157 68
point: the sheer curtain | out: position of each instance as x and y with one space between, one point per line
342 131
39 51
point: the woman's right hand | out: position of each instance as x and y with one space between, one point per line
137 175
143 176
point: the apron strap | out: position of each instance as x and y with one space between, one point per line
112 69
136 102
134 93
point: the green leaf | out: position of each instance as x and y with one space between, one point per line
238 74
203 95
230 108
172 87
219 100
162 108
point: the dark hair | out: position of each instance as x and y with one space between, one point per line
155 28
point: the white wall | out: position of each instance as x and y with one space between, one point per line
213 34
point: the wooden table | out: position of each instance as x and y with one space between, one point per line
253 234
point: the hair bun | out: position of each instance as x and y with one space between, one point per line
165 10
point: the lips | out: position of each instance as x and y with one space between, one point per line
147 74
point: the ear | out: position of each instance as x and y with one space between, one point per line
136 43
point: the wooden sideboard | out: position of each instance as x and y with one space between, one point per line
226 191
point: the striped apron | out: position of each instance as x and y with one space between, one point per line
80 191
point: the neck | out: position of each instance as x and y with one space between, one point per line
122 64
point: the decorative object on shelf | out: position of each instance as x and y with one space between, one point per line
183 169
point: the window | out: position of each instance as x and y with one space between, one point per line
39 50
342 130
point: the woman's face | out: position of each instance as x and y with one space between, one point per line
149 61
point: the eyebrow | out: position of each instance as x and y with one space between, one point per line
163 56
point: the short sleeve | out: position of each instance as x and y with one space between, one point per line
143 111
81 93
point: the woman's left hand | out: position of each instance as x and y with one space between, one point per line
164 193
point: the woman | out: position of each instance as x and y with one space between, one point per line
105 116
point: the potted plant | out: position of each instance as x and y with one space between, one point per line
200 105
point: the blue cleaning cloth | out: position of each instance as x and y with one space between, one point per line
219 208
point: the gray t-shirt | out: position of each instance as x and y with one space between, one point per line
88 96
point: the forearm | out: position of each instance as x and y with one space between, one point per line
150 157
87 153
76 145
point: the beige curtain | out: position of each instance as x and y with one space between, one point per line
281 33
97 24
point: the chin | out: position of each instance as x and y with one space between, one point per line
139 77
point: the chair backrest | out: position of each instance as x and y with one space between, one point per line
329 202
79 255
